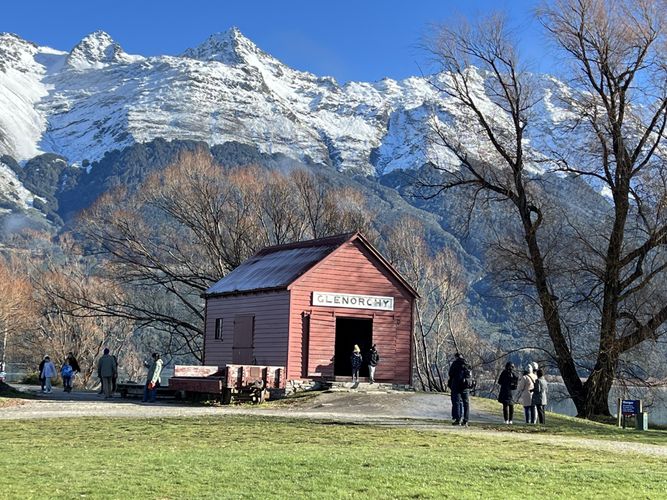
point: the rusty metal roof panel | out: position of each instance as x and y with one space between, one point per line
275 267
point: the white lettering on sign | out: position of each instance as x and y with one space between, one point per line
328 299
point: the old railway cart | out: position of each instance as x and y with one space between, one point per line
228 383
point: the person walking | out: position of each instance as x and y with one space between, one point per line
42 382
106 369
373 360
48 372
540 396
508 382
356 360
152 379
76 369
460 383
66 372
524 396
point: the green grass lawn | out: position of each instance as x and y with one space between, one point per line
255 457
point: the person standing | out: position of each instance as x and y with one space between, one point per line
153 379
42 382
540 396
106 369
459 382
524 396
48 372
356 361
67 373
114 379
373 360
508 382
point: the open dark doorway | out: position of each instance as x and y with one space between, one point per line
351 331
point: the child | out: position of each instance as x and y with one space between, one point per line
66 372
540 395
48 372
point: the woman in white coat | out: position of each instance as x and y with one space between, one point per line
524 395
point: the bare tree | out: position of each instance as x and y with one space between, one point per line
189 225
618 115
62 287
16 308
441 322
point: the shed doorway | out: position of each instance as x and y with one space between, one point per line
351 331
244 340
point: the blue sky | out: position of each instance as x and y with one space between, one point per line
349 40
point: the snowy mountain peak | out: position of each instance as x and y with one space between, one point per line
229 47
96 51
15 51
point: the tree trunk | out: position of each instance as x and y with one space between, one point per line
594 399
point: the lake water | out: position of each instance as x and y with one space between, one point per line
654 401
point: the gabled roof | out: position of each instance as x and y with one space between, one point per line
277 267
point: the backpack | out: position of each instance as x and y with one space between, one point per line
467 380
514 382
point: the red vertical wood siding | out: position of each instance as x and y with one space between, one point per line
271 312
350 269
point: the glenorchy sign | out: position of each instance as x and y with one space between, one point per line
328 299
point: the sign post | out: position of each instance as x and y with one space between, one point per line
631 408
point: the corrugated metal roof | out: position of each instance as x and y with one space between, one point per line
276 267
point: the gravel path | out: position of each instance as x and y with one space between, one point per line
406 409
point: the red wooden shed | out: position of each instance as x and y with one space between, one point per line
305 305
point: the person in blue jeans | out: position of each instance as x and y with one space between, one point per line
66 372
459 392
153 379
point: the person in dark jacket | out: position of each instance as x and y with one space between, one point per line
459 391
106 369
508 381
540 391
356 360
42 380
373 360
71 359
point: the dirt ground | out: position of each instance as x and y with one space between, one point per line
352 406
394 408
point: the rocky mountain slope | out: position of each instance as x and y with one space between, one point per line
95 98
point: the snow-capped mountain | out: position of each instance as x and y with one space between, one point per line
95 98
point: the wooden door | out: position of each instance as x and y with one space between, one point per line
244 340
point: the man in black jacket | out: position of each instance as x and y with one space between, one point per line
373 360
459 390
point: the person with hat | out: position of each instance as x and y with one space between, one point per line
106 370
524 394
356 361
153 379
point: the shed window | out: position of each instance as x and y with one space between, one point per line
218 329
